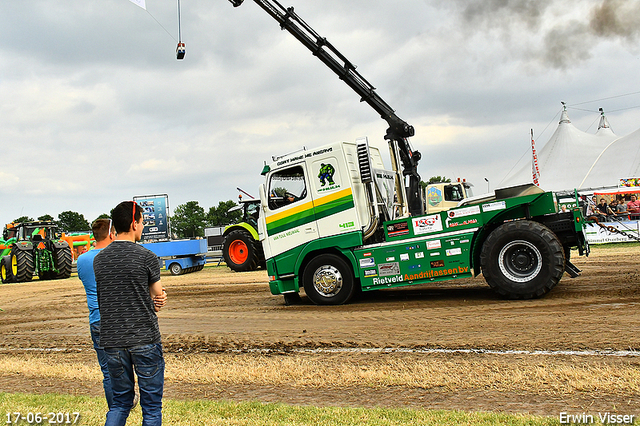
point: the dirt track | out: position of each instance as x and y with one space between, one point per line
216 312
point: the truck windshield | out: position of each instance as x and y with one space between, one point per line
453 193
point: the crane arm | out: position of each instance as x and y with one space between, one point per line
399 130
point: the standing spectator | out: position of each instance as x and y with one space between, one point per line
129 294
102 234
633 207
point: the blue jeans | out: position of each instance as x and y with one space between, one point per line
102 360
148 362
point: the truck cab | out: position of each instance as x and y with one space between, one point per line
309 195
443 196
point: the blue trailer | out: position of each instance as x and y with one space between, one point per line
180 256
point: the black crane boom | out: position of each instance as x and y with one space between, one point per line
398 131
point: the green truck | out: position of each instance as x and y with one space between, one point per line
335 221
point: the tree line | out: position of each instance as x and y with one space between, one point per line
189 220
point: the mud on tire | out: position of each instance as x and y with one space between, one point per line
522 260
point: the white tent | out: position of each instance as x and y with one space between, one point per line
567 157
618 160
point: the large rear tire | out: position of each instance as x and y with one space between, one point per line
22 265
328 280
522 260
239 251
63 260
6 272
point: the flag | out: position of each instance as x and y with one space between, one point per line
534 162
139 3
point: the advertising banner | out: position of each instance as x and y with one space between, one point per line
155 213
597 235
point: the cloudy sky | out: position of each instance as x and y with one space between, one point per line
95 108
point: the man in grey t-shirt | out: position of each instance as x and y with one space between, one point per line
129 294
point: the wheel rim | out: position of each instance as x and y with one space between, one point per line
520 261
176 269
327 280
14 265
238 252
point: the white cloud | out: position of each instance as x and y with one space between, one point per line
96 109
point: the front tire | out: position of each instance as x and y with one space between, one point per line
22 265
63 260
522 260
239 251
6 271
328 280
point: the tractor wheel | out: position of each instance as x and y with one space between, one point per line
522 260
175 269
22 265
239 251
6 271
328 280
62 257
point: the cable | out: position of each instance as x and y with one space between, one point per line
610 97
154 18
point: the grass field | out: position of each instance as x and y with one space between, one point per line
191 413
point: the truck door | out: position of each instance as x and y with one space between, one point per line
289 215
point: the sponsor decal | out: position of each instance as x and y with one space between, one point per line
367 263
419 255
414 247
437 264
414 266
498 205
434 196
387 269
286 234
370 273
466 211
397 229
367 254
435 253
390 259
452 224
404 256
388 280
434 245
427 224
435 273
454 251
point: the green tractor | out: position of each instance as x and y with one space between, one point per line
241 247
34 248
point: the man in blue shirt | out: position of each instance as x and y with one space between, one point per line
102 233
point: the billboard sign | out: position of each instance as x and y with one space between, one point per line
155 216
